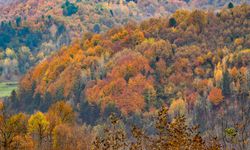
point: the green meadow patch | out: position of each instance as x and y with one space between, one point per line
6 88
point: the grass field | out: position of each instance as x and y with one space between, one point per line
6 88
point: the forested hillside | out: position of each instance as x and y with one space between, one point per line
34 29
191 67
119 75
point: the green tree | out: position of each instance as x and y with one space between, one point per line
25 59
230 5
18 21
37 101
14 98
46 103
172 22
89 113
59 94
69 8
226 84
96 28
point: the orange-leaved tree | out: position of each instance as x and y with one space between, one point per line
215 96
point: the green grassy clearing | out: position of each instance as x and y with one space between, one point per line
6 88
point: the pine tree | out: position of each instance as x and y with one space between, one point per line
172 22
46 102
226 84
69 8
230 5
97 28
37 101
18 21
14 99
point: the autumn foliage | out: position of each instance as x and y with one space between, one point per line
215 96
198 68
139 66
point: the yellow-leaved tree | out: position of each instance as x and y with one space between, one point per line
63 111
38 126
177 108
218 74
59 113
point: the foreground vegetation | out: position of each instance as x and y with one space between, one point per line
57 130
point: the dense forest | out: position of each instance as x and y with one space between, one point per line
35 29
176 81
194 63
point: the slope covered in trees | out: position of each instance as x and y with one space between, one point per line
201 64
196 63
44 26
151 60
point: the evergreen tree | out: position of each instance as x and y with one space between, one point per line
46 102
109 109
172 22
89 113
14 99
59 94
111 12
77 90
18 21
69 8
230 5
37 101
97 28
226 84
